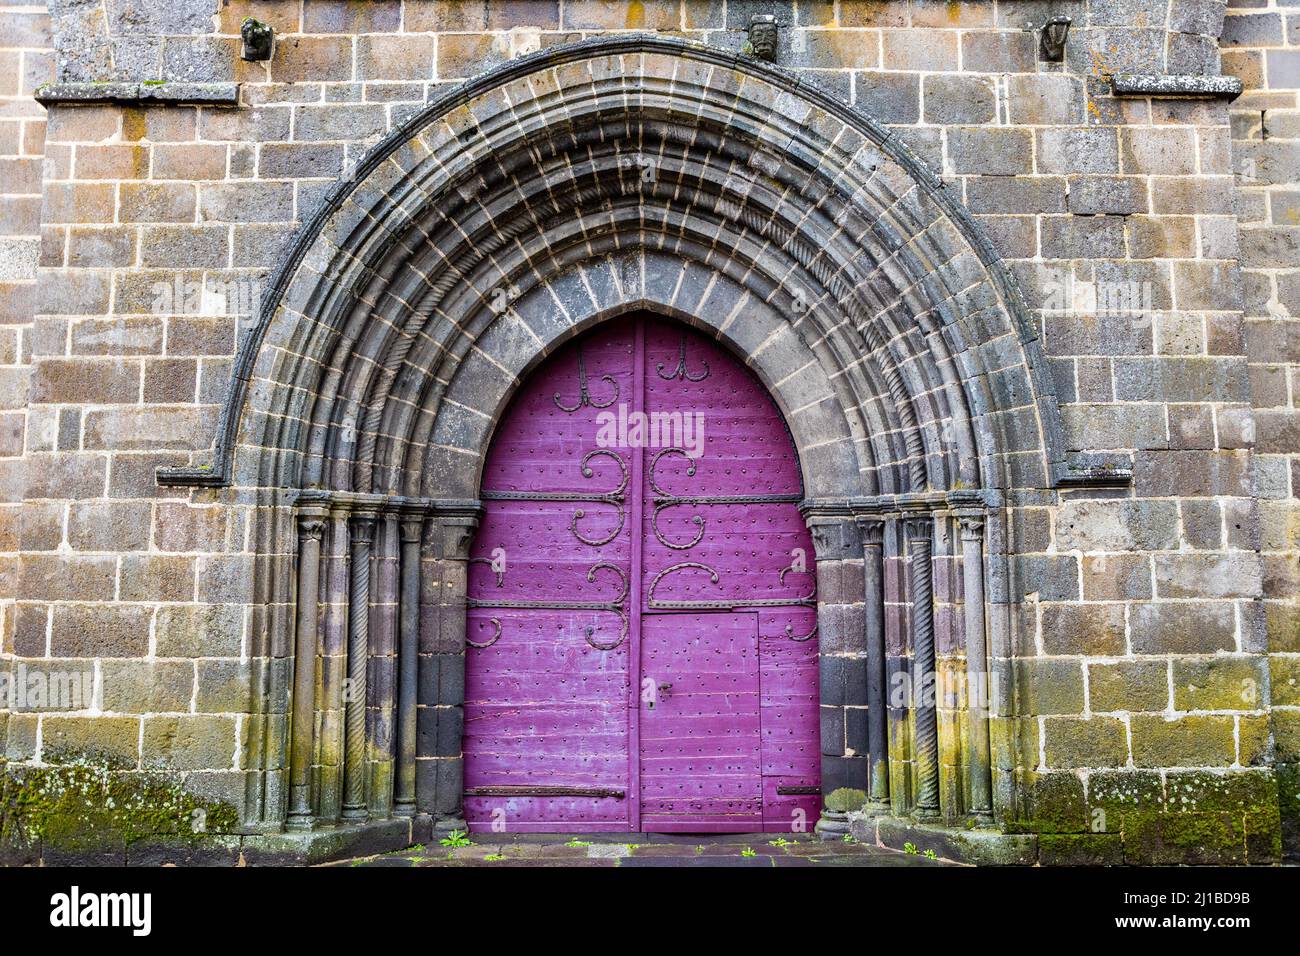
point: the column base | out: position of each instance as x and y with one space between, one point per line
301 824
877 808
832 825
445 825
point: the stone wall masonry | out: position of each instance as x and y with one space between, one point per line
1144 658
26 61
1261 45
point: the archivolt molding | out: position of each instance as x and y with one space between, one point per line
627 172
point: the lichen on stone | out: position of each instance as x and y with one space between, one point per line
88 805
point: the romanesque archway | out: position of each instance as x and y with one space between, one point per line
534 203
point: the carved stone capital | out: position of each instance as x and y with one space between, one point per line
412 526
311 527
919 528
972 526
457 526
872 529
835 534
363 526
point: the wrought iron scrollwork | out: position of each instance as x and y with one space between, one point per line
807 600
584 394
495 637
618 605
500 575
789 632
617 497
663 500
680 370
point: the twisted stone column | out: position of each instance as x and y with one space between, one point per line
354 735
408 664
919 531
977 684
311 528
873 574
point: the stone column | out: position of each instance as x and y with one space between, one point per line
355 764
920 530
441 717
330 691
873 576
898 668
311 528
381 685
840 653
977 683
407 663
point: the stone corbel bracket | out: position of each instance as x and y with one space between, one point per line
159 92
1174 85
1095 470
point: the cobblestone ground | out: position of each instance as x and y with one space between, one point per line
758 849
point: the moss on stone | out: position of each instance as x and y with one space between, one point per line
1170 817
845 799
88 805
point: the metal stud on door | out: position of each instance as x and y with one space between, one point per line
642 622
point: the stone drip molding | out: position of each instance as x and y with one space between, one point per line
1174 85
163 93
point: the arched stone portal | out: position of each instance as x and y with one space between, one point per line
529 205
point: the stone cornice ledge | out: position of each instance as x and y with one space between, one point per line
1175 85
164 92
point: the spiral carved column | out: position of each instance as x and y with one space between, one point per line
919 545
355 771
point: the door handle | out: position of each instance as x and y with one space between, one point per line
665 688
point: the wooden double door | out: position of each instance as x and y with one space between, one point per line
642 642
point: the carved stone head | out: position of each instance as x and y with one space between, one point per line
762 36
258 39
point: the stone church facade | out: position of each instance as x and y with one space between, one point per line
1023 295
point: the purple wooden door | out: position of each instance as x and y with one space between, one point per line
643 653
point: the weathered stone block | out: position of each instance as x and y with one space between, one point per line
1075 742
1083 237
1046 99
1182 628
1096 629
113 741
1114 195
139 687
1048 686
1207 576
1128 685
1075 151
1192 740
189 743
959 99
1117 525
108 526
889 97
989 152
211 630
